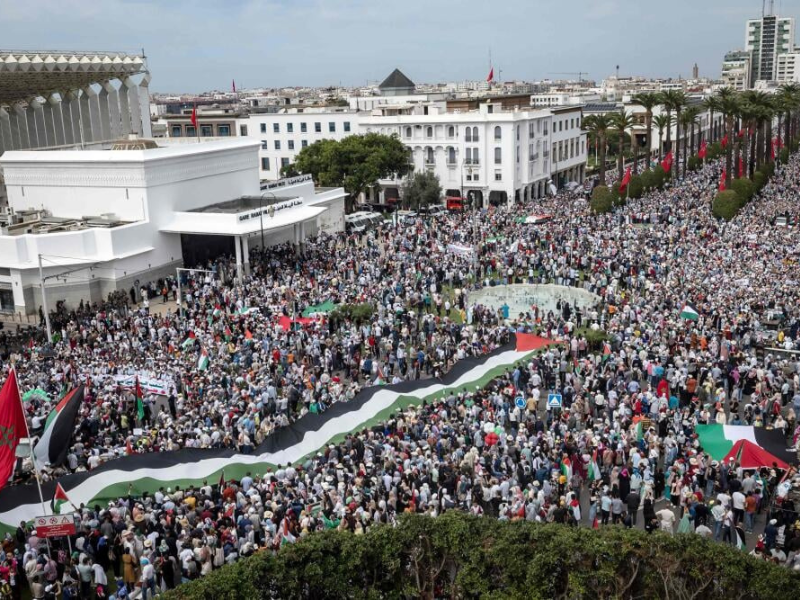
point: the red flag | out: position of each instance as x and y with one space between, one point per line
491 74
194 117
772 149
741 132
625 181
722 180
724 141
703 150
741 168
233 85
666 164
128 447
12 426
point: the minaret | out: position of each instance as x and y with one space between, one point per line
695 72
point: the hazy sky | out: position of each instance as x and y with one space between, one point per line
203 44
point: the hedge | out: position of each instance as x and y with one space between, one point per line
648 180
602 200
659 176
461 556
745 188
726 204
694 163
635 187
784 156
759 180
714 151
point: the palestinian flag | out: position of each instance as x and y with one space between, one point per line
217 312
246 310
148 471
59 499
53 445
722 442
594 469
566 469
202 362
137 390
689 312
189 341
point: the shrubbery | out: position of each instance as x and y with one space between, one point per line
759 180
784 156
727 204
714 151
694 163
602 200
659 176
744 188
460 556
635 187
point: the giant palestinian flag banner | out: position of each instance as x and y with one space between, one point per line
719 441
292 444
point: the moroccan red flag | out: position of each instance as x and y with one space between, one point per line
772 150
625 181
491 74
666 164
703 150
722 180
741 168
724 142
194 117
12 426
741 133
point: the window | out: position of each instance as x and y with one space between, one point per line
429 132
472 156
451 155
517 132
243 130
498 156
318 127
451 132
263 128
468 134
498 176
223 130
207 130
264 145
276 128
304 144
284 162
428 155
303 128
177 131
474 134
277 144
190 131
331 127
265 163
408 132
347 126
291 144
498 134
290 128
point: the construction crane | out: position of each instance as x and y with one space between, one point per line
580 74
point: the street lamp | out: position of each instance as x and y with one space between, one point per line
261 214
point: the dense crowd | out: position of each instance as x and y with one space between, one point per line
592 463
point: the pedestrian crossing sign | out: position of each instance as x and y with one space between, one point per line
553 400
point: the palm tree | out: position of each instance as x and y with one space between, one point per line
675 100
788 97
662 122
729 106
648 101
620 122
689 120
712 105
598 126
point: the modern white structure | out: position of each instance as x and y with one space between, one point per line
736 70
766 39
50 99
104 219
788 67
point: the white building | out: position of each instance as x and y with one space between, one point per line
788 67
766 39
103 219
489 156
736 70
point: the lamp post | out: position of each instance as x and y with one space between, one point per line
261 213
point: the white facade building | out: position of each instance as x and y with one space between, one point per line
108 219
766 39
788 67
488 156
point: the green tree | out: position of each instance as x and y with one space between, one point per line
421 189
729 105
602 200
621 122
648 101
689 120
726 204
712 105
674 101
662 122
598 127
356 162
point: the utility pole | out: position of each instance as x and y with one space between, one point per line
44 303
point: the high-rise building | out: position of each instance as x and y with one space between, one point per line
766 39
736 70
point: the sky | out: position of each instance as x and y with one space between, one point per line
199 45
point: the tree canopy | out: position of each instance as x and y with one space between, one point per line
461 556
422 189
355 162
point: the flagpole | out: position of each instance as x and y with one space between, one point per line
33 456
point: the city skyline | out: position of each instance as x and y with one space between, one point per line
202 45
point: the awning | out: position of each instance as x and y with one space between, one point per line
210 223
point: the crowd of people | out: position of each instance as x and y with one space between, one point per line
591 463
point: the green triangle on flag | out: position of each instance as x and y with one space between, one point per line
689 312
